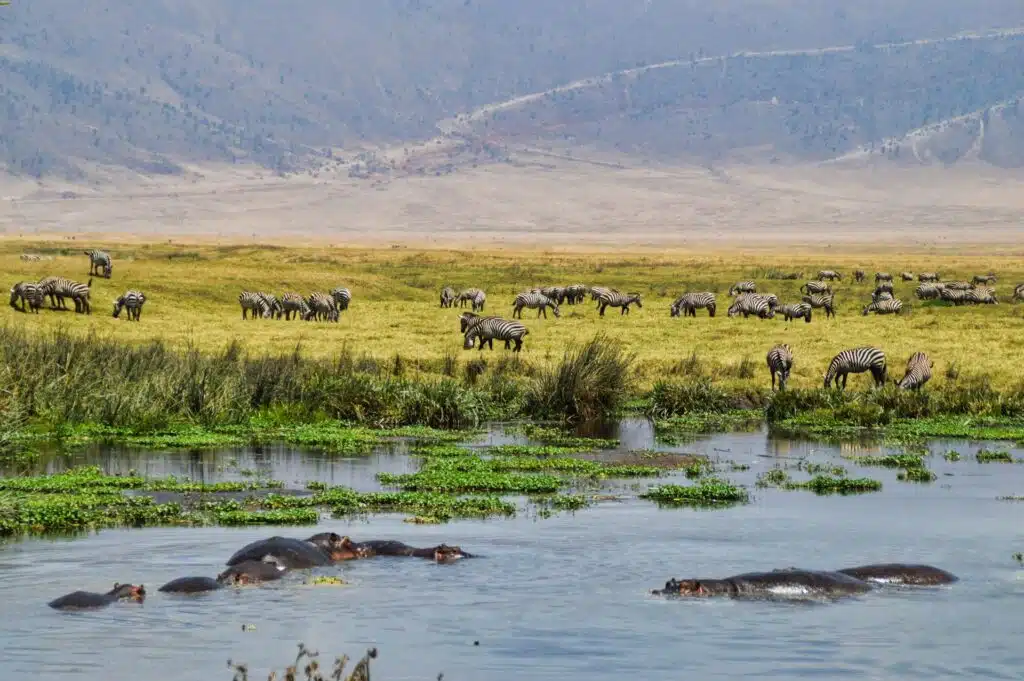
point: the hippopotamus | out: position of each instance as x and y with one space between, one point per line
441 553
191 585
80 600
298 554
253 571
787 583
901 573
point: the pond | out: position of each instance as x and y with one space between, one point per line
558 598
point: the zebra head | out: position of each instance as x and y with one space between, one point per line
635 298
674 310
118 305
108 269
467 344
554 308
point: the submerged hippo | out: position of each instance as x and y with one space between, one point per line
441 553
191 585
253 572
298 554
901 573
788 583
80 600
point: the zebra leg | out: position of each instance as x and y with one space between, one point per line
519 344
625 310
601 309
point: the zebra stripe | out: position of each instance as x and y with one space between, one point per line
907 276
780 362
598 291
928 277
927 292
100 264
823 300
555 293
321 307
982 295
743 287
1018 292
616 299
857 361
816 287
131 301
882 276
983 278
689 303
487 329
858 276
294 303
60 288
447 296
797 311
919 372
751 304
954 295
891 306
575 293
273 305
29 294
254 302
342 297
958 285
534 301
830 275
880 296
475 297
49 286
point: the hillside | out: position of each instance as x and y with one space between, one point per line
150 86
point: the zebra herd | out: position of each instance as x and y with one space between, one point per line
853 361
317 306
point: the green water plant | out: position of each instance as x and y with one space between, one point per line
709 492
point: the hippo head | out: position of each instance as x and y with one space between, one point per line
695 588
448 554
343 548
129 592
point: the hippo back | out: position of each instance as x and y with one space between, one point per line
295 554
804 582
901 573
81 599
190 585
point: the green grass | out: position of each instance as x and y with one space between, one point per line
708 493
834 481
989 456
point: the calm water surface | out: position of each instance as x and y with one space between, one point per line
561 598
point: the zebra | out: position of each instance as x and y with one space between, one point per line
891 306
99 264
919 372
534 301
816 287
989 278
273 305
1018 292
831 275
60 288
321 307
959 285
486 329
928 277
30 294
31 257
780 362
555 293
858 276
857 361
575 293
880 296
131 301
883 287
475 297
743 287
751 304
982 295
342 297
598 291
689 303
49 286
293 303
447 296
771 298
616 299
883 276
907 276
796 311
956 296
253 302
826 301
927 292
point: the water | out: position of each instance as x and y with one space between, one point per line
561 598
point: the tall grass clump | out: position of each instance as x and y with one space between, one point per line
591 381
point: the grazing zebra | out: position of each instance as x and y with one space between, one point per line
780 362
31 257
293 303
927 292
99 264
598 291
954 295
743 287
29 294
983 278
273 305
475 297
131 301
816 287
883 287
321 307
60 288
751 304
575 293
1018 292
880 296
907 276
689 303
534 301
486 329
830 275
797 311
555 293
857 361
342 297
253 302
883 276
858 276
447 296
982 295
959 285
771 299
919 372
824 300
890 306
616 299
928 277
